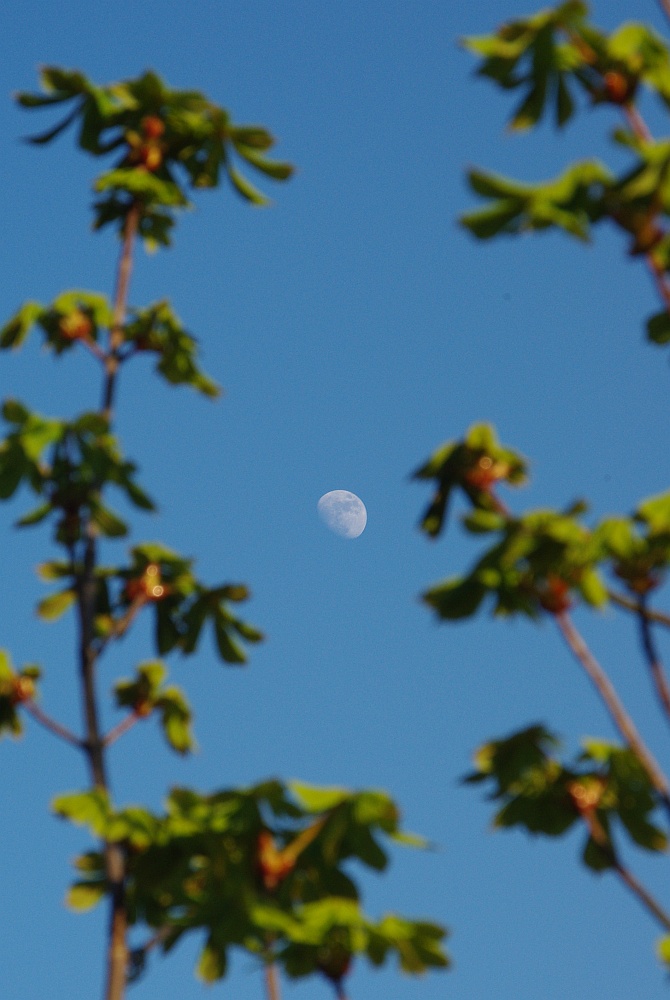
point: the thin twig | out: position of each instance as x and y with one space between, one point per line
272 981
600 836
643 895
659 277
641 130
121 625
614 706
665 7
122 727
636 122
120 306
54 727
630 605
95 349
653 659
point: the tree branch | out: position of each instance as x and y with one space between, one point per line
630 605
121 625
639 128
114 734
665 7
86 587
643 895
54 727
601 838
653 659
272 982
120 305
614 706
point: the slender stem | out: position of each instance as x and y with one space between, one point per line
665 7
653 659
636 122
640 129
54 727
272 982
630 605
95 350
114 734
121 625
117 952
120 305
643 895
659 277
600 836
614 706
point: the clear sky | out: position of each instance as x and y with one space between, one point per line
354 328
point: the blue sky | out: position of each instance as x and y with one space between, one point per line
354 328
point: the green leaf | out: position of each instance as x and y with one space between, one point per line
35 516
85 895
17 329
15 412
229 650
52 607
597 857
663 949
317 799
658 328
246 188
45 137
456 598
109 523
279 171
84 808
565 106
593 589
212 961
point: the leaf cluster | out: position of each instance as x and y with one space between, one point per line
66 463
158 577
605 787
166 141
542 560
147 693
551 55
204 864
81 317
548 57
16 687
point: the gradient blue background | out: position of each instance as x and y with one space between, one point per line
354 327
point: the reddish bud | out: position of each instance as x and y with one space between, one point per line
75 326
23 689
152 126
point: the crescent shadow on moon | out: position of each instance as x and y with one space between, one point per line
343 512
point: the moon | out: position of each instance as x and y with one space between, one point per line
343 512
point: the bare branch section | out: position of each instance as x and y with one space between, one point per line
629 605
114 734
665 7
54 727
120 306
643 896
654 660
272 982
614 706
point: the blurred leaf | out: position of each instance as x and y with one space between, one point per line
84 895
52 607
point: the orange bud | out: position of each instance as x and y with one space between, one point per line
152 126
555 595
273 864
23 689
75 326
